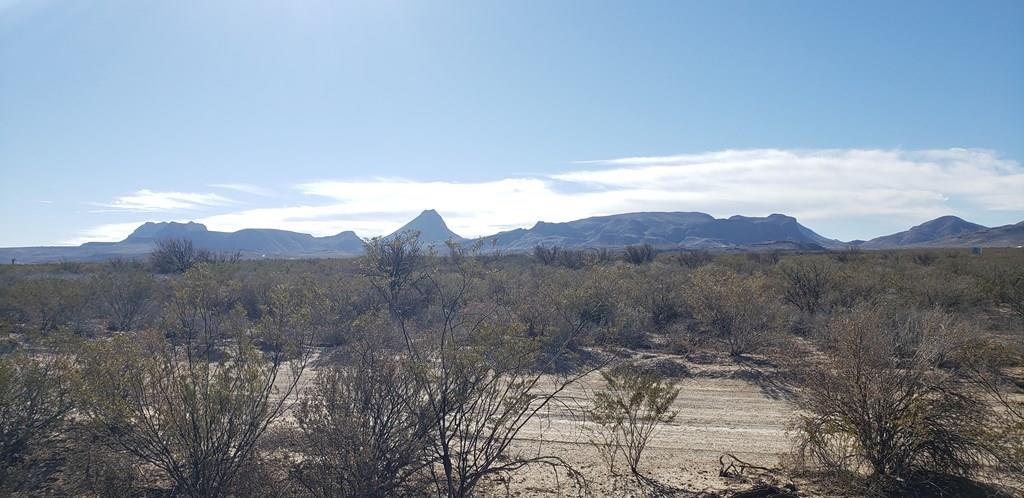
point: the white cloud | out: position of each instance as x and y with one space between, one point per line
149 201
111 232
873 191
821 184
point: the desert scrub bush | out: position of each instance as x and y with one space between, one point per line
924 258
35 400
990 366
180 255
364 429
395 267
195 404
629 410
764 259
1006 289
126 297
176 256
546 255
659 294
479 373
931 287
694 259
807 283
639 254
92 469
736 309
70 266
600 256
52 303
880 408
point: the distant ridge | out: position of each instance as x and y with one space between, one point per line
925 233
664 230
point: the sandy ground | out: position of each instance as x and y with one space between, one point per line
722 408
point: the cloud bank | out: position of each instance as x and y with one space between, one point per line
825 188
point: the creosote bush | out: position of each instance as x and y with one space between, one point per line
35 400
127 297
879 408
629 410
364 428
194 405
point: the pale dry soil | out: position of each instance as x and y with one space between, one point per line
723 407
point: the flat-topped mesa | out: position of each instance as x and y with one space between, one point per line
150 231
668 230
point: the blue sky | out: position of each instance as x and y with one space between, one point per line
859 118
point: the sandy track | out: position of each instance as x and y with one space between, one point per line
717 413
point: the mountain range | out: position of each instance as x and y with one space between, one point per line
664 230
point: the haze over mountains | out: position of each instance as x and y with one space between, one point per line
664 230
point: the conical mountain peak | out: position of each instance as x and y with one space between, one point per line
431 227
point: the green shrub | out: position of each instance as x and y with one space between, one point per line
629 410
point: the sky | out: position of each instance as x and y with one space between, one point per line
859 118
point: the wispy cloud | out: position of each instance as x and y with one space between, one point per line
833 190
150 201
245 188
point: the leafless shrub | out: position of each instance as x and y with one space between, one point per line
394 267
573 259
639 254
762 258
176 255
568 258
127 297
924 258
601 256
478 376
847 254
661 297
694 259
629 410
70 266
1007 290
807 284
179 255
988 366
880 407
736 309
93 469
546 255
932 288
364 429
